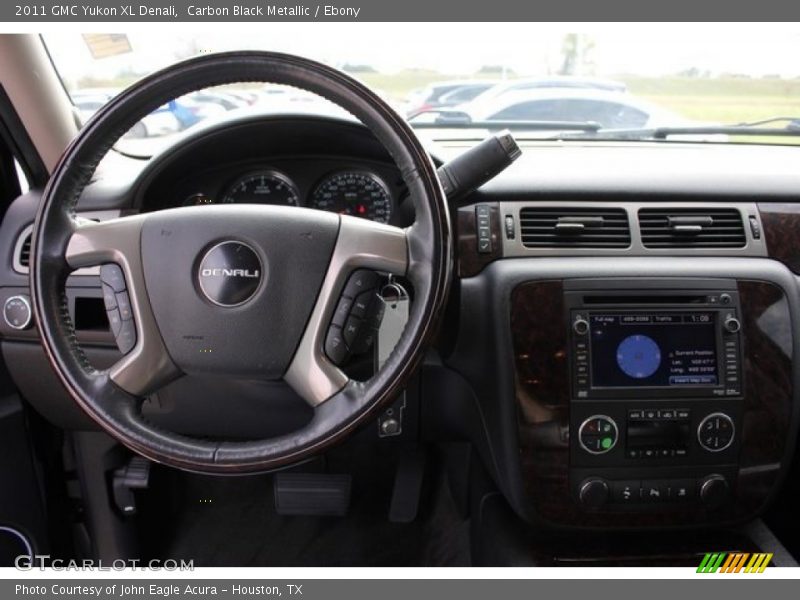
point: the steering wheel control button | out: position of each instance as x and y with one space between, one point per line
355 322
126 338
17 312
111 275
716 432
342 311
230 273
361 303
598 434
124 306
335 347
114 321
360 281
109 296
351 330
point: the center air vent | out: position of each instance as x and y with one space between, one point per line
691 228
565 227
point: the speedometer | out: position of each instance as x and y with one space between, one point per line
356 193
262 187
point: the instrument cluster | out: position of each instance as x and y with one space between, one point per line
358 192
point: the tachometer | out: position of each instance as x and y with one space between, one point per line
263 187
356 193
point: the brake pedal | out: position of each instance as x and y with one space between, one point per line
312 494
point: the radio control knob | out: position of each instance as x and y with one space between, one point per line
593 492
17 312
714 491
731 324
580 326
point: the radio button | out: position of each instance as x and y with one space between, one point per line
716 432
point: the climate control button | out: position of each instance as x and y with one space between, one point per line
598 434
716 432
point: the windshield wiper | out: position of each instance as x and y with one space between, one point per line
792 128
456 119
513 125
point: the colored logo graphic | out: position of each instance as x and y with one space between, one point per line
638 356
734 562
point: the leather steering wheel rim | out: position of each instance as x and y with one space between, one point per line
63 242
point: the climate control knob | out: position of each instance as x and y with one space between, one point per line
598 434
716 432
580 325
593 492
714 491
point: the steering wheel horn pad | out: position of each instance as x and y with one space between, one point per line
241 291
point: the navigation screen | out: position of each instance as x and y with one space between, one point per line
653 349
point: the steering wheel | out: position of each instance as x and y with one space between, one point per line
234 290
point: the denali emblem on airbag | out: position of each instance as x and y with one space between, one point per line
229 273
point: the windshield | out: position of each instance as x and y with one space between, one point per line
697 83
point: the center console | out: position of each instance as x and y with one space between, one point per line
651 401
655 395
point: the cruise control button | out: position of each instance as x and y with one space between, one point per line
124 306
115 321
111 274
109 297
126 338
342 311
360 281
335 347
351 330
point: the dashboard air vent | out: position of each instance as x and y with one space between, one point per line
565 227
691 228
24 257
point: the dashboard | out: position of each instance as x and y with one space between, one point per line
622 337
